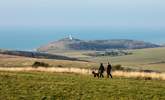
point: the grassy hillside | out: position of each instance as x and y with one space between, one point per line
17 61
150 59
153 59
76 44
61 86
144 59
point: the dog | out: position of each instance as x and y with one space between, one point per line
95 74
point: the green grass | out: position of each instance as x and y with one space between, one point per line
63 86
140 59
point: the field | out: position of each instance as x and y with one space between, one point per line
150 59
63 86
46 84
142 59
16 61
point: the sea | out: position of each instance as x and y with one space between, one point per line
31 38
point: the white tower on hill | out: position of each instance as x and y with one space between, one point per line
70 37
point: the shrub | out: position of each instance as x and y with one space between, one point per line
59 66
42 64
117 67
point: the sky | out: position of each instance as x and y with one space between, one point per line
105 18
83 13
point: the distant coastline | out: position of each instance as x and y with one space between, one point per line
31 38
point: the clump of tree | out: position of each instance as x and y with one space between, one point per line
111 53
117 67
40 64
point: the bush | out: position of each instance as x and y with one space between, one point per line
40 64
59 66
117 67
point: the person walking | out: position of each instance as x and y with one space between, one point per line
101 70
109 69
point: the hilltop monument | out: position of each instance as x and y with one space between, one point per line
70 37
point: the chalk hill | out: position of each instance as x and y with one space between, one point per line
77 44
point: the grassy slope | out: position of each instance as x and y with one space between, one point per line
142 58
30 86
15 61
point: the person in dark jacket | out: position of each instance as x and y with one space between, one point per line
109 69
101 70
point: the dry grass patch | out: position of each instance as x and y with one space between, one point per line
140 75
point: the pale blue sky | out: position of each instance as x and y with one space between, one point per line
27 24
83 13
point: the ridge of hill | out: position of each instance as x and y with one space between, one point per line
36 55
77 44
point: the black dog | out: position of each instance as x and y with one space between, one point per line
95 74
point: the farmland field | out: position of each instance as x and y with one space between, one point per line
65 86
145 59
